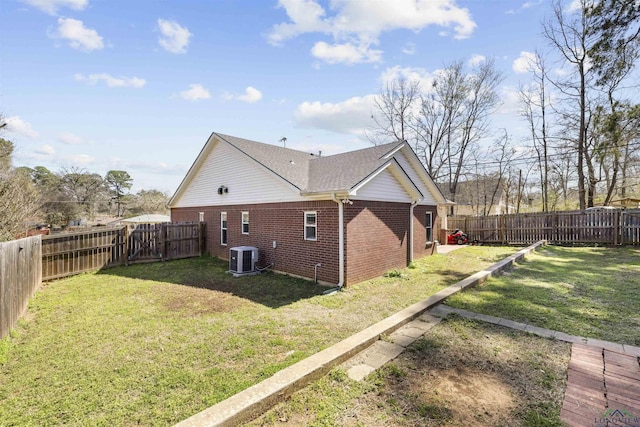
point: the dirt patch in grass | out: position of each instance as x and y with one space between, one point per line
152 344
198 301
461 373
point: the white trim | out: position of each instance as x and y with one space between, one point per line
242 223
224 229
411 231
314 225
414 160
428 225
340 241
200 216
396 170
393 152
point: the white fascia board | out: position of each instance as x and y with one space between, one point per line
391 153
422 172
326 195
399 173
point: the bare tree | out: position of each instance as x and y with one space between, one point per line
569 36
394 112
480 102
440 118
535 108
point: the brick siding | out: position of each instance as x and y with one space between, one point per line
280 222
375 238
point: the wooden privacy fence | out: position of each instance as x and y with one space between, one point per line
67 254
611 227
20 277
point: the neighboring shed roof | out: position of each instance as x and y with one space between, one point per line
147 219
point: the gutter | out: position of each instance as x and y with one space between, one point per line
413 205
340 245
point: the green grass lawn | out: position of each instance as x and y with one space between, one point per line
153 344
591 292
460 373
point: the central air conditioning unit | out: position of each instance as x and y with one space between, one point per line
242 260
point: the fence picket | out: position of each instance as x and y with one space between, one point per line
609 227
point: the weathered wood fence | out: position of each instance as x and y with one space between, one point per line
607 227
20 277
25 263
67 254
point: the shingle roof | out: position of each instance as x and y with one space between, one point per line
346 170
291 165
311 173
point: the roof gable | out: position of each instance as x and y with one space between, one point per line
315 176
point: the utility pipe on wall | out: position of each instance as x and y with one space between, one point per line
340 240
413 205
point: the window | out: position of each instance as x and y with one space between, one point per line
310 226
245 222
223 228
201 216
429 226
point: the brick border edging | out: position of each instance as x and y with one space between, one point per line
258 398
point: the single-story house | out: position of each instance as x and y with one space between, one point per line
342 218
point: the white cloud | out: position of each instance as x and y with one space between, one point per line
525 62
78 36
526 5
195 92
409 49
17 125
346 53
352 116
70 139
574 6
111 81
409 74
477 59
360 23
511 103
45 150
51 6
250 95
79 159
174 38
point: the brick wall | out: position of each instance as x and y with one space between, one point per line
282 222
375 238
420 245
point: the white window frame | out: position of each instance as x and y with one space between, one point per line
428 226
307 225
223 229
243 222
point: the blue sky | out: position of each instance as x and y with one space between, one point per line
140 85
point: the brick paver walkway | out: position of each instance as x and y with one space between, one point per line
603 388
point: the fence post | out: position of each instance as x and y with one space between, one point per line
126 245
503 231
202 237
616 227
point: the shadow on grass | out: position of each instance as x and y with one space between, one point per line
591 292
269 289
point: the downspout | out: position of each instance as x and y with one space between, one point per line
413 205
340 245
